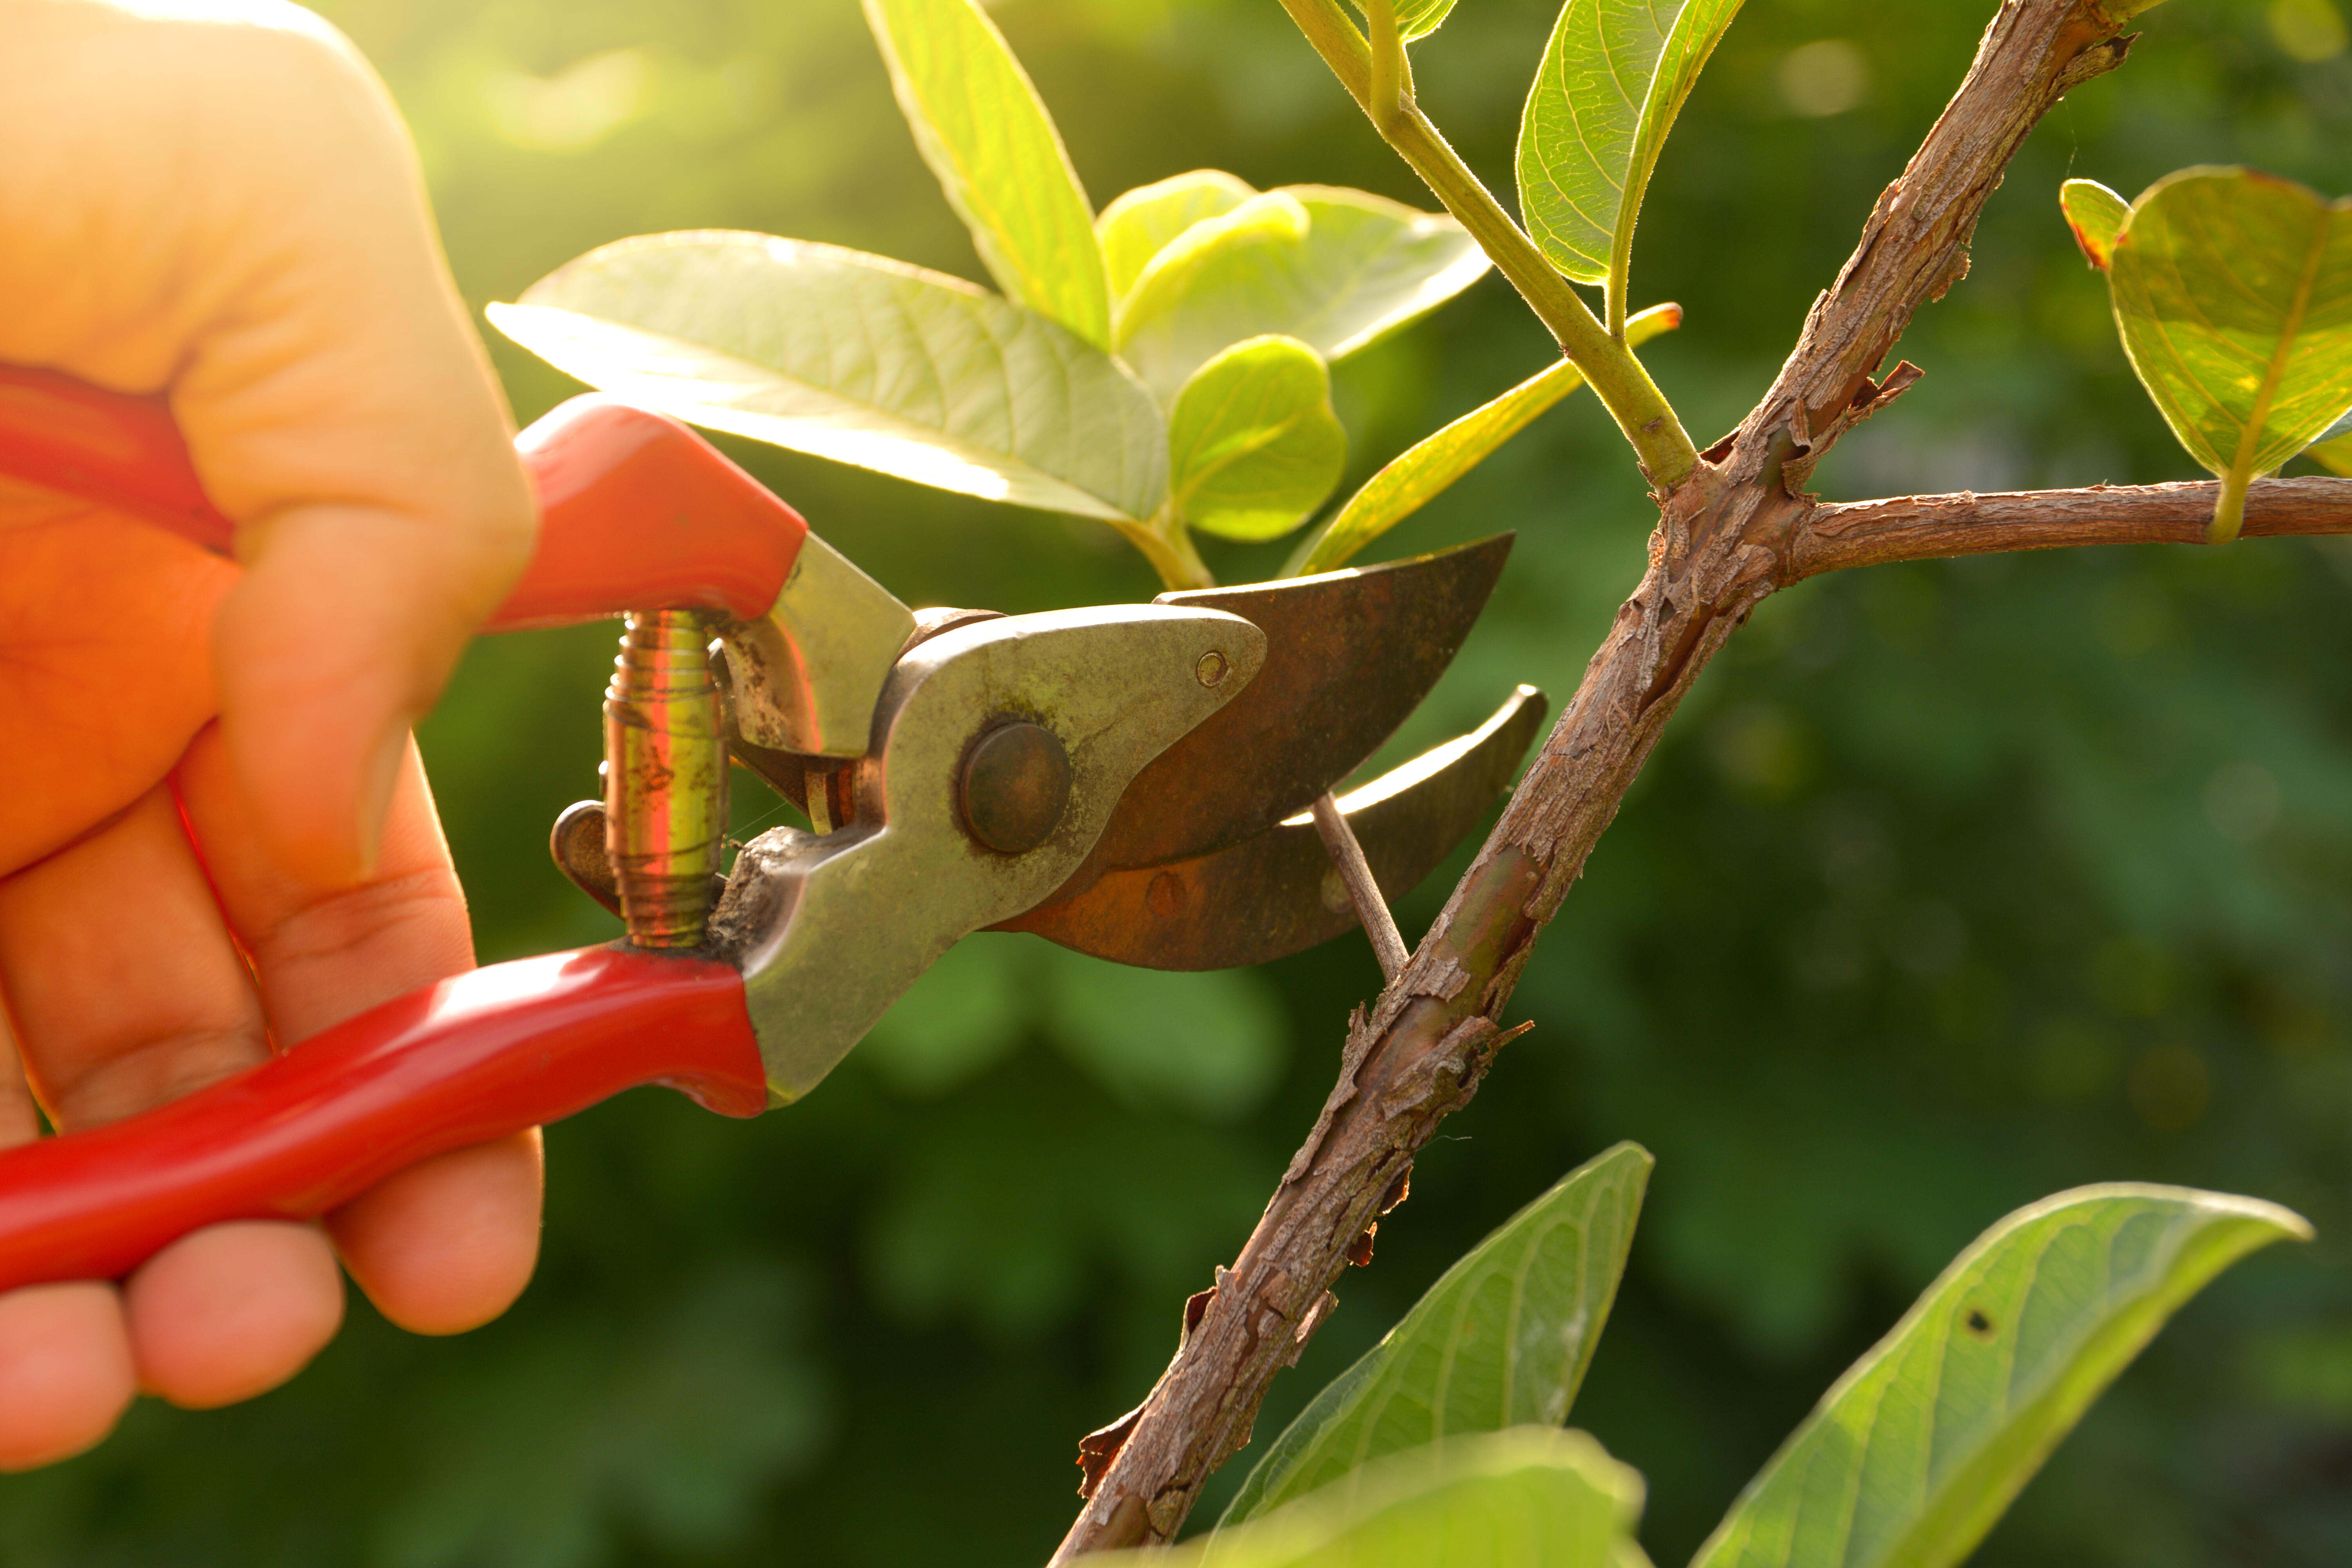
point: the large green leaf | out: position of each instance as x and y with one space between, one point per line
1502 1338
1923 1443
1335 269
1532 1496
855 358
986 135
2097 215
1253 444
1413 479
2233 293
1138 225
1613 78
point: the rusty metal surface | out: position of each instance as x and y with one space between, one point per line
1348 656
1278 893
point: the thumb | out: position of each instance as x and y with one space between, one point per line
279 272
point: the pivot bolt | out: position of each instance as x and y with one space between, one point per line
1016 784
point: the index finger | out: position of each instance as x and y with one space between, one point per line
225 205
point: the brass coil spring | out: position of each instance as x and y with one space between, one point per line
665 778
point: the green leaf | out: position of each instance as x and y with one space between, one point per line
2233 293
1502 1338
1335 269
1919 1448
1138 225
1253 444
985 133
1416 19
1414 478
856 358
2097 215
1612 80
1532 1496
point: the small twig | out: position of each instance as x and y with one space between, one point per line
1340 839
1921 528
1623 385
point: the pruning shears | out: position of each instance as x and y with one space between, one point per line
1131 781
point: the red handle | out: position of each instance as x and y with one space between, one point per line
470 1059
637 513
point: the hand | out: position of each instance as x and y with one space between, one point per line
214 831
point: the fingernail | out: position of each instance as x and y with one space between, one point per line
376 786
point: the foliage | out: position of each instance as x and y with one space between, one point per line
1951 886
1613 78
1227 302
1414 478
1502 1339
2233 293
1528 1496
1918 1449
1252 439
861 360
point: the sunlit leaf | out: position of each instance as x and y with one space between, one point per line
2233 292
986 135
1414 478
855 358
1919 1448
1613 78
1532 1496
1335 269
1253 444
1138 225
1501 1339
2096 214
1418 18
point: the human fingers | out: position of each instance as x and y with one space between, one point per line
221 203
448 1243
125 991
66 1375
104 631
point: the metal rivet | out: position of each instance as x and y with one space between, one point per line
1016 784
1211 670
1166 896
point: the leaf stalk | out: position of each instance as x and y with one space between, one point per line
1167 543
1391 85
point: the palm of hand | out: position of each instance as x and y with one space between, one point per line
149 946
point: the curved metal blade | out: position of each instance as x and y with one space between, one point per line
1348 656
1278 893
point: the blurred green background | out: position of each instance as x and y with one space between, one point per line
1951 884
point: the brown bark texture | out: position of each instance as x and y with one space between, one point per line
1737 528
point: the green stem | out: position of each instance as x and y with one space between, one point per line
1167 543
2230 507
1391 85
1660 443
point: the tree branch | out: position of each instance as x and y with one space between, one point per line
1921 528
1736 529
